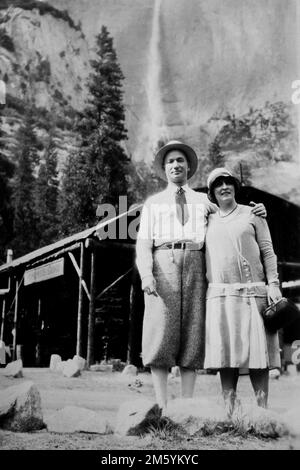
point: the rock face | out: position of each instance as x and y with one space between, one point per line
48 57
20 408
76 419
135 417
45 60
186 61
186 65
14 369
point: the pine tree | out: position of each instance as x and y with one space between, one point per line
76 198
25 229
99 172
105 116
46 197
214 153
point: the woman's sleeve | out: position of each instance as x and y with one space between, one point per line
265 244
144 243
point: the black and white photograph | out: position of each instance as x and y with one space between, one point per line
149 228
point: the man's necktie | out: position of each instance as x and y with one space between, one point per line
181 206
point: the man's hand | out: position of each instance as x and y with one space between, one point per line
149 286
258 209
274 293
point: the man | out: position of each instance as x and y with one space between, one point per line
170 260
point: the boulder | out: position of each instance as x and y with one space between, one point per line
101 368
118 365
260 421
130 370
136 417
71 369
292 421
80 361
20 408
55 360
196 415
76 419
60 366
14 369
274 374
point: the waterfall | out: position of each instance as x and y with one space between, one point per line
156 128
298 70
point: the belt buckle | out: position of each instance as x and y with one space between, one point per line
183 245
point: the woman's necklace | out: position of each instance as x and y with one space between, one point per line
225 215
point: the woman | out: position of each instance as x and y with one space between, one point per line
240 261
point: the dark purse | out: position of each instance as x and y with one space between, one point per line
280 314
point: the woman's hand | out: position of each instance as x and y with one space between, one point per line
258 209
274 293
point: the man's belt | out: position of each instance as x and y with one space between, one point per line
181 246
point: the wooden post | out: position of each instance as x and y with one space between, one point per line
91 325
15 321
3 314
80 304
38 345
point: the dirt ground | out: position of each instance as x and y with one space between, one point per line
105 391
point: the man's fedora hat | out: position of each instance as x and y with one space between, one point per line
175 145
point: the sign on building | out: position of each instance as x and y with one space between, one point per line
44 272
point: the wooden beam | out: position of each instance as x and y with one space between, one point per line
91 323
77 268
112 284
288 264
93 243
80 303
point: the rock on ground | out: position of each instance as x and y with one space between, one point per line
136 417
129 370
55 361
80 361
20 408
101 368
14 369
76 419
274 374
71 369
196 415
292 421
258 420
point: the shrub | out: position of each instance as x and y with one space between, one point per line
6 41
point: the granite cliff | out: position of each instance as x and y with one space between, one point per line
191 67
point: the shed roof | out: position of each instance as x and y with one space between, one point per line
64 243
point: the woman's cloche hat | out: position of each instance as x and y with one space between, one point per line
220 173
175 145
